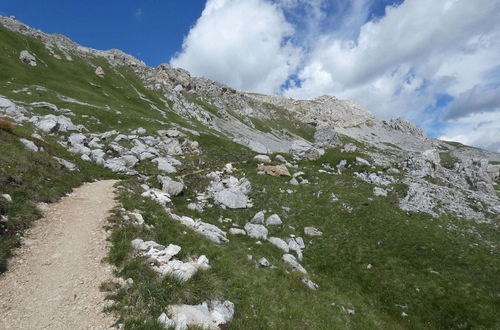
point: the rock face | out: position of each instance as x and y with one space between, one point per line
27 58
402 125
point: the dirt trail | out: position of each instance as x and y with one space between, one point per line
53 282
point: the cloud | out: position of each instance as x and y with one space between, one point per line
477 129
473 100
433 62
243 43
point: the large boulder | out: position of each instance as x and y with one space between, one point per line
233 198
256 231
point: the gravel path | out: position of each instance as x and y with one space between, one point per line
53 281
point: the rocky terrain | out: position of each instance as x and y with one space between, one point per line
244 210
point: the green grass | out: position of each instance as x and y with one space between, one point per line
447 160
403 249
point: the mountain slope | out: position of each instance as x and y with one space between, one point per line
409 225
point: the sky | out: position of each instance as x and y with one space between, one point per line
434 62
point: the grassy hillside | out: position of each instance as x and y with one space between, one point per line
377 266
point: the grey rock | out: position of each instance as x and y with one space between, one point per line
258 218
278 242
7 197
326 137
63 162
237 231
233 198
208 315
262 159
310 284
29 144
256 231
164 165
292 261
379 192
303 150
312 231
273 220
172 187
27 58
99 72
263 262
361 161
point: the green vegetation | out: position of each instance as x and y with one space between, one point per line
439 277
447 160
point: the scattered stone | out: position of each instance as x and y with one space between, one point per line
256 231
393 171
232 198
208 315
311 231
273 220
162 262
349 147
362 162
172 187
99 72
158 196
258 218
212 232
29 144
290 259
27 58
278 242
310 284
263 262
164 165
277 170
237 231
7 197
63 162
262 159
294 182
379 192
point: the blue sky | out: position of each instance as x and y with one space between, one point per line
151 30
435 63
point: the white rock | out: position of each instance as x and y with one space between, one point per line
294 182
99 72
29 144
310 284
279 243
263 262
164 165
158 196
172 187
27 58
379 192
290 259
70 166
7 197
262 159
311 231
273 220
361 161
208 315
237 231
256 231
233 198
258 218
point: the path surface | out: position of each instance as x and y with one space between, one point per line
53 282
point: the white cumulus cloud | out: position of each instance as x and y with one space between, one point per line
243 43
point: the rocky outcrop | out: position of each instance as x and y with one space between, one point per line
27 58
